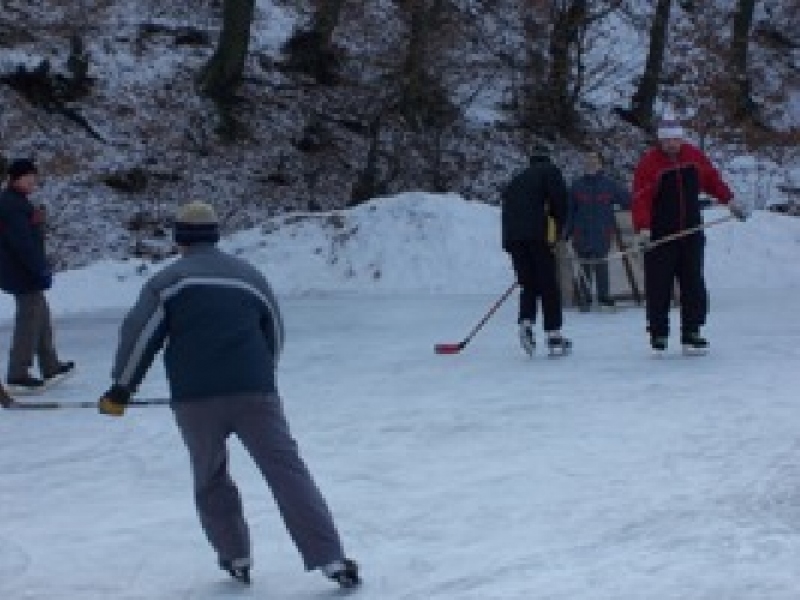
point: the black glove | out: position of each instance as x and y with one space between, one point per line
45 280
114 401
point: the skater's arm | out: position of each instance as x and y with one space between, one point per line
271 319
142 335
645 183
710 180
22 241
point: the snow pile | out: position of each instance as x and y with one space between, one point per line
406 243
414 243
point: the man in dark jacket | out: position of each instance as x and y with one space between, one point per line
666 187
223 332
25 274
591 224
534 212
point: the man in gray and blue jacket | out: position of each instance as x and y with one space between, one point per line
223 332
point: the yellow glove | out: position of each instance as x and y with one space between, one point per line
114 401
552 231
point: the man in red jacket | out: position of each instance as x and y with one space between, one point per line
666 187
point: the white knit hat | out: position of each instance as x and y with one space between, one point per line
669 128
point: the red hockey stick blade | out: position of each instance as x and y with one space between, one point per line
447 348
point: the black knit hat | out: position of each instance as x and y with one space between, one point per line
540 149
196 223
21 167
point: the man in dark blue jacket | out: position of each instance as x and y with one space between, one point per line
534 213
25 274
223 333
591 224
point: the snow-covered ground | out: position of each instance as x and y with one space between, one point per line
606 475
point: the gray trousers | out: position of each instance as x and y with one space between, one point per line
33 336
596 269
259 423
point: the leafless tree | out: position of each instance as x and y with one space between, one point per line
643 100
311 49
556 34
223 72
423 100
740 44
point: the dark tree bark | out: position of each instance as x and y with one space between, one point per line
645 96
740 44
568 23
423 100
326 18
312 50
223 72
369 183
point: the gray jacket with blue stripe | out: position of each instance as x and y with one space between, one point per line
220 323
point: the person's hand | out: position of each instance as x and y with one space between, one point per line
114 401
642 241
738 210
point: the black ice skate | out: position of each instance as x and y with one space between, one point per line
526 337
607 305
62 371
238 569
659 344
26 384
344 572
558 345
693 343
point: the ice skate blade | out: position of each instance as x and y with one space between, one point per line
558 353
19 390
692 351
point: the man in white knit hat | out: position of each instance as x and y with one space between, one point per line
223 332
666 187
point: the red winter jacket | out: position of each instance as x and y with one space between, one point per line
666 190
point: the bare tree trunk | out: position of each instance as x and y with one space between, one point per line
645 96
567 24
223 72
421 95
326 18
740 44
311 51
368 183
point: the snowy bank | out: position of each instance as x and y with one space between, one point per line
417 242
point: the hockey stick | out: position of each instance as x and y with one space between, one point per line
55 405
626 262
669 238
580 281
455 348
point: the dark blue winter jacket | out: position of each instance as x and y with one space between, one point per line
23 262
531 198
590 224
220 323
